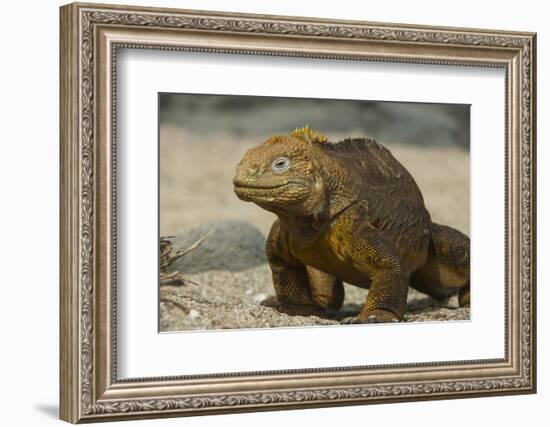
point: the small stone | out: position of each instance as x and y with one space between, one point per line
258 298
193 314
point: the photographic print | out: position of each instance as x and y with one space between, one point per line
294 212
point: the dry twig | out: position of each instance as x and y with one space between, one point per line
167 259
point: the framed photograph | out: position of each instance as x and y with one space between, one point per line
266 212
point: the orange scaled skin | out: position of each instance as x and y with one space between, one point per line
348 212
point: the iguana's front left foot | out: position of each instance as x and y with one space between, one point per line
293 309
373 316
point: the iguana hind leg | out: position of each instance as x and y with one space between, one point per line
448 266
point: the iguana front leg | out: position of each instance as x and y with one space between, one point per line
326 290
377 257
290 278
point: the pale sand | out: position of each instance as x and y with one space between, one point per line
196 181
196 189
231 300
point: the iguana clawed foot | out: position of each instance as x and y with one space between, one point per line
292 309
374 316
300 309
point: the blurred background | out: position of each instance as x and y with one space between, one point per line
202 138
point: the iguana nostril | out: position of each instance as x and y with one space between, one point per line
254 171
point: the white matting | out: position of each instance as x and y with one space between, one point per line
143 352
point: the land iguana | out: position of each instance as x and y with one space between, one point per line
349 212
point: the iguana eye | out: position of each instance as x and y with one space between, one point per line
280 164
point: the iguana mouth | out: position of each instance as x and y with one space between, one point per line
265 191
260 185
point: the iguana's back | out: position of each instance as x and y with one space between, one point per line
394 201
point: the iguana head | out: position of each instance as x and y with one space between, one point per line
284 174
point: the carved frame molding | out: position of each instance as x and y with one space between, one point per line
90 37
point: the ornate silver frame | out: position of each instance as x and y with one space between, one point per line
90 36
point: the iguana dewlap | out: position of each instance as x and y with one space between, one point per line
349 212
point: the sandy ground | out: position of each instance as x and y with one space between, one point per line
196 194
228 300
228 290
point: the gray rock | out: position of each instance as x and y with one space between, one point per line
230 246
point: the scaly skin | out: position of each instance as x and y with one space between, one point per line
348 212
